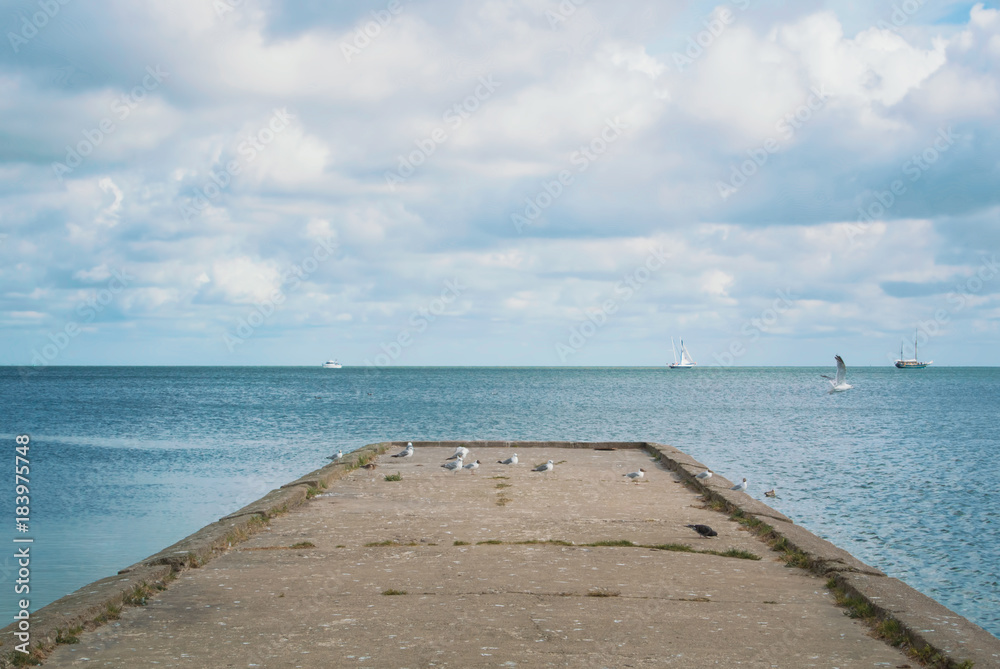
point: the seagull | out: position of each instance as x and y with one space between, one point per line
741 487
635 476
705 475
512 460
547 467
336 457
770 493
454 465
838 384
406 452
460 453
703 530
472 466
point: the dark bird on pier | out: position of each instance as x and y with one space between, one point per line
703 530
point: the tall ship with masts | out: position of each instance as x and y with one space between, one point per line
911 363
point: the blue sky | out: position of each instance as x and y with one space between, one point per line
249 182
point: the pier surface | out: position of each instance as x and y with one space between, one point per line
503 567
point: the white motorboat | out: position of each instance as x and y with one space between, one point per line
332 364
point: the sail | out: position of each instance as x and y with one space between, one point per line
674 349
685 356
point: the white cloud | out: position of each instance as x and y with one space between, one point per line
322 176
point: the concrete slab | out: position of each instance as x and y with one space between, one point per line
497 603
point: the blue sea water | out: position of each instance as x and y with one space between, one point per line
902 471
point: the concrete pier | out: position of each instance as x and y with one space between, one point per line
505 567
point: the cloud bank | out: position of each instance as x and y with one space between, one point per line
254 182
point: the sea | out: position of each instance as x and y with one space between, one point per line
903 471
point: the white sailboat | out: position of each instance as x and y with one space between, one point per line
685 362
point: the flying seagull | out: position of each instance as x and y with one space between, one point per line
839 384
460 453
635 476
705 475
703 530
741 487
547 467
454 465
335 457
472 466
512 460
406 452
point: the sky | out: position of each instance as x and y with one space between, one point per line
500 182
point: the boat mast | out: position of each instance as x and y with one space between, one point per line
915 356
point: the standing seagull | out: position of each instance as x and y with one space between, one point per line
547 467
454 465
740 487
472 466
460 453
635 476
406 452
839 384
705 475
335 457
512 460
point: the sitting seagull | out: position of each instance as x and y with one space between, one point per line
703 530
406 452
472 466
770 493
741 487
839 384
335 457
460 453
512 460
705 475
635 476
547 467
454 465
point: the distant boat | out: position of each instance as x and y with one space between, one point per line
912 363
331 364
685 362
